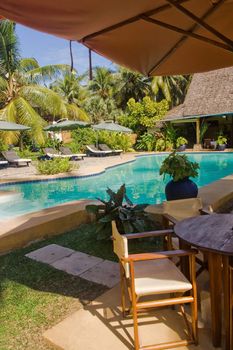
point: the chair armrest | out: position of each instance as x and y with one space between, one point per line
205 212
170 218
159 255
148 234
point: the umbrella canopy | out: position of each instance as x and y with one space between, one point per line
154 37
7 126
111 126
66 125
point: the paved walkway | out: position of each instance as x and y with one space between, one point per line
100 325
79 264
90 165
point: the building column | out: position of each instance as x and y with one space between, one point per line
198 131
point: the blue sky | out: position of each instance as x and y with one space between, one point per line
48 49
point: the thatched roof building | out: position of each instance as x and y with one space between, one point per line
209 94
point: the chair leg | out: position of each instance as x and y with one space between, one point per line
122 290
135 324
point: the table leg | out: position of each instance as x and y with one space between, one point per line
184 262
227 306
214 264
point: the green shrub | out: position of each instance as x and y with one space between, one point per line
147 142
163 145
54 166
27 153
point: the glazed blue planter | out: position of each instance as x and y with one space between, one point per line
222 147
181 148
181 189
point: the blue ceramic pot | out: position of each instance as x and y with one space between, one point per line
181 189
181 148
222 147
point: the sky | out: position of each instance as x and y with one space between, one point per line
48 49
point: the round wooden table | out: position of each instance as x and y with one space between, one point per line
213 234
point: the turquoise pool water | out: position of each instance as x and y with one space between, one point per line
142 179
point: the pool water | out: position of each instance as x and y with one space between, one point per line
142 179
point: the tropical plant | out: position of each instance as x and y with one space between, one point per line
163 144
221 140
102 83
115 140
129 218
179 167
73 94
203 129
54 166
143 115
181 141
21 98
172 88
130 85
100 109
146 142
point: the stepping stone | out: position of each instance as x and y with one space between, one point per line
77 263
50 253
106 273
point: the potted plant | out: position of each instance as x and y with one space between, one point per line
180 168
181 143
221 142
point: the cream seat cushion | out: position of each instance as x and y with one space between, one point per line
158 277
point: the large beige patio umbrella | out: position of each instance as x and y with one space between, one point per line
154 37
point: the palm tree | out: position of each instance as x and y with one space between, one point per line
131 85
22 99
102 83
172 88
73 94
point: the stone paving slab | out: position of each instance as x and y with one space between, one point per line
50 253
101 326
106 273
77 263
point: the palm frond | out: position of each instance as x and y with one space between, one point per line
76 113
9 51
43 98
41 74
26 115
28 64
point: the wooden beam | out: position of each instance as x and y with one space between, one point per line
128 21
188 33
200 21
184 38
198 131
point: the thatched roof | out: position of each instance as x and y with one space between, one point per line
209 93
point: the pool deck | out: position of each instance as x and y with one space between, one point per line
20 231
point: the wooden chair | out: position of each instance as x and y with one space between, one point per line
177 210
153 274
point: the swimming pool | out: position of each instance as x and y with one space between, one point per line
142 179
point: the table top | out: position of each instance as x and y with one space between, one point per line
212 232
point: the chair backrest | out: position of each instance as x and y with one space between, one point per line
10 155
183 208
120 246
65 151
50 150
92 148
104 147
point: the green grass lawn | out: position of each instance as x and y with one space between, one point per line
34 296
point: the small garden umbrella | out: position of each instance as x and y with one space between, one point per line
7 126
66 125
111 126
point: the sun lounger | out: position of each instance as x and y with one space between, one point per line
74 156
104 147
53 153
93 151
3 163
13 158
